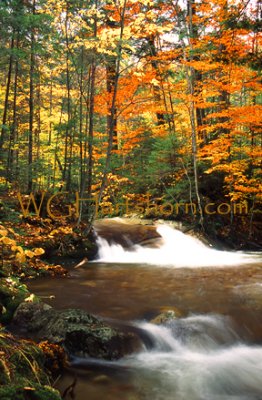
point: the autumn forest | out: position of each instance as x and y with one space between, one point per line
147 110
130 100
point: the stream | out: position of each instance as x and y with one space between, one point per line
213 352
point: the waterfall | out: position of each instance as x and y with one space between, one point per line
177 249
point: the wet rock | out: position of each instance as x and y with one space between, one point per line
166 316
126 234
12 293
77 331
28 312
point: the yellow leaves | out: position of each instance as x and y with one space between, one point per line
62 229
29 253
160 130
155 82
20 257
39 251
13 250
7 241
3 232
18 248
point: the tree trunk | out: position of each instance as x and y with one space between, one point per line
157 92
81 153
191 81
7 92
91 130
111 71
66 172
31 107
87 183
13 131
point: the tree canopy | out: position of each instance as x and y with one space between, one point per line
122 98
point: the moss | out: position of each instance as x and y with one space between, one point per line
77 331
34 392
4 372
22 372
28 361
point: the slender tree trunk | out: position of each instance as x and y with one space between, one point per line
50 127
56 159
7 92
66 174
50 110
71 143
111 71
87 183
157 91
91 130
38 117
198 77
13 130
81 89
191 81
31 108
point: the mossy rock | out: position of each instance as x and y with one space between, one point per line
77 331
12 293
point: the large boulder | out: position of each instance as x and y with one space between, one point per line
80 333
127 233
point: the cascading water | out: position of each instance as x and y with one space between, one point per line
206 366
177 249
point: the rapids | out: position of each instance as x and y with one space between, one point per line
177 250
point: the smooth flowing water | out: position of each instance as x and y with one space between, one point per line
214 352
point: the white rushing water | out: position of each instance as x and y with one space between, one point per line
178 249
197 358
200 357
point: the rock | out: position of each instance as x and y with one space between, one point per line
28 312
12 293
165 317
80 333
124 233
